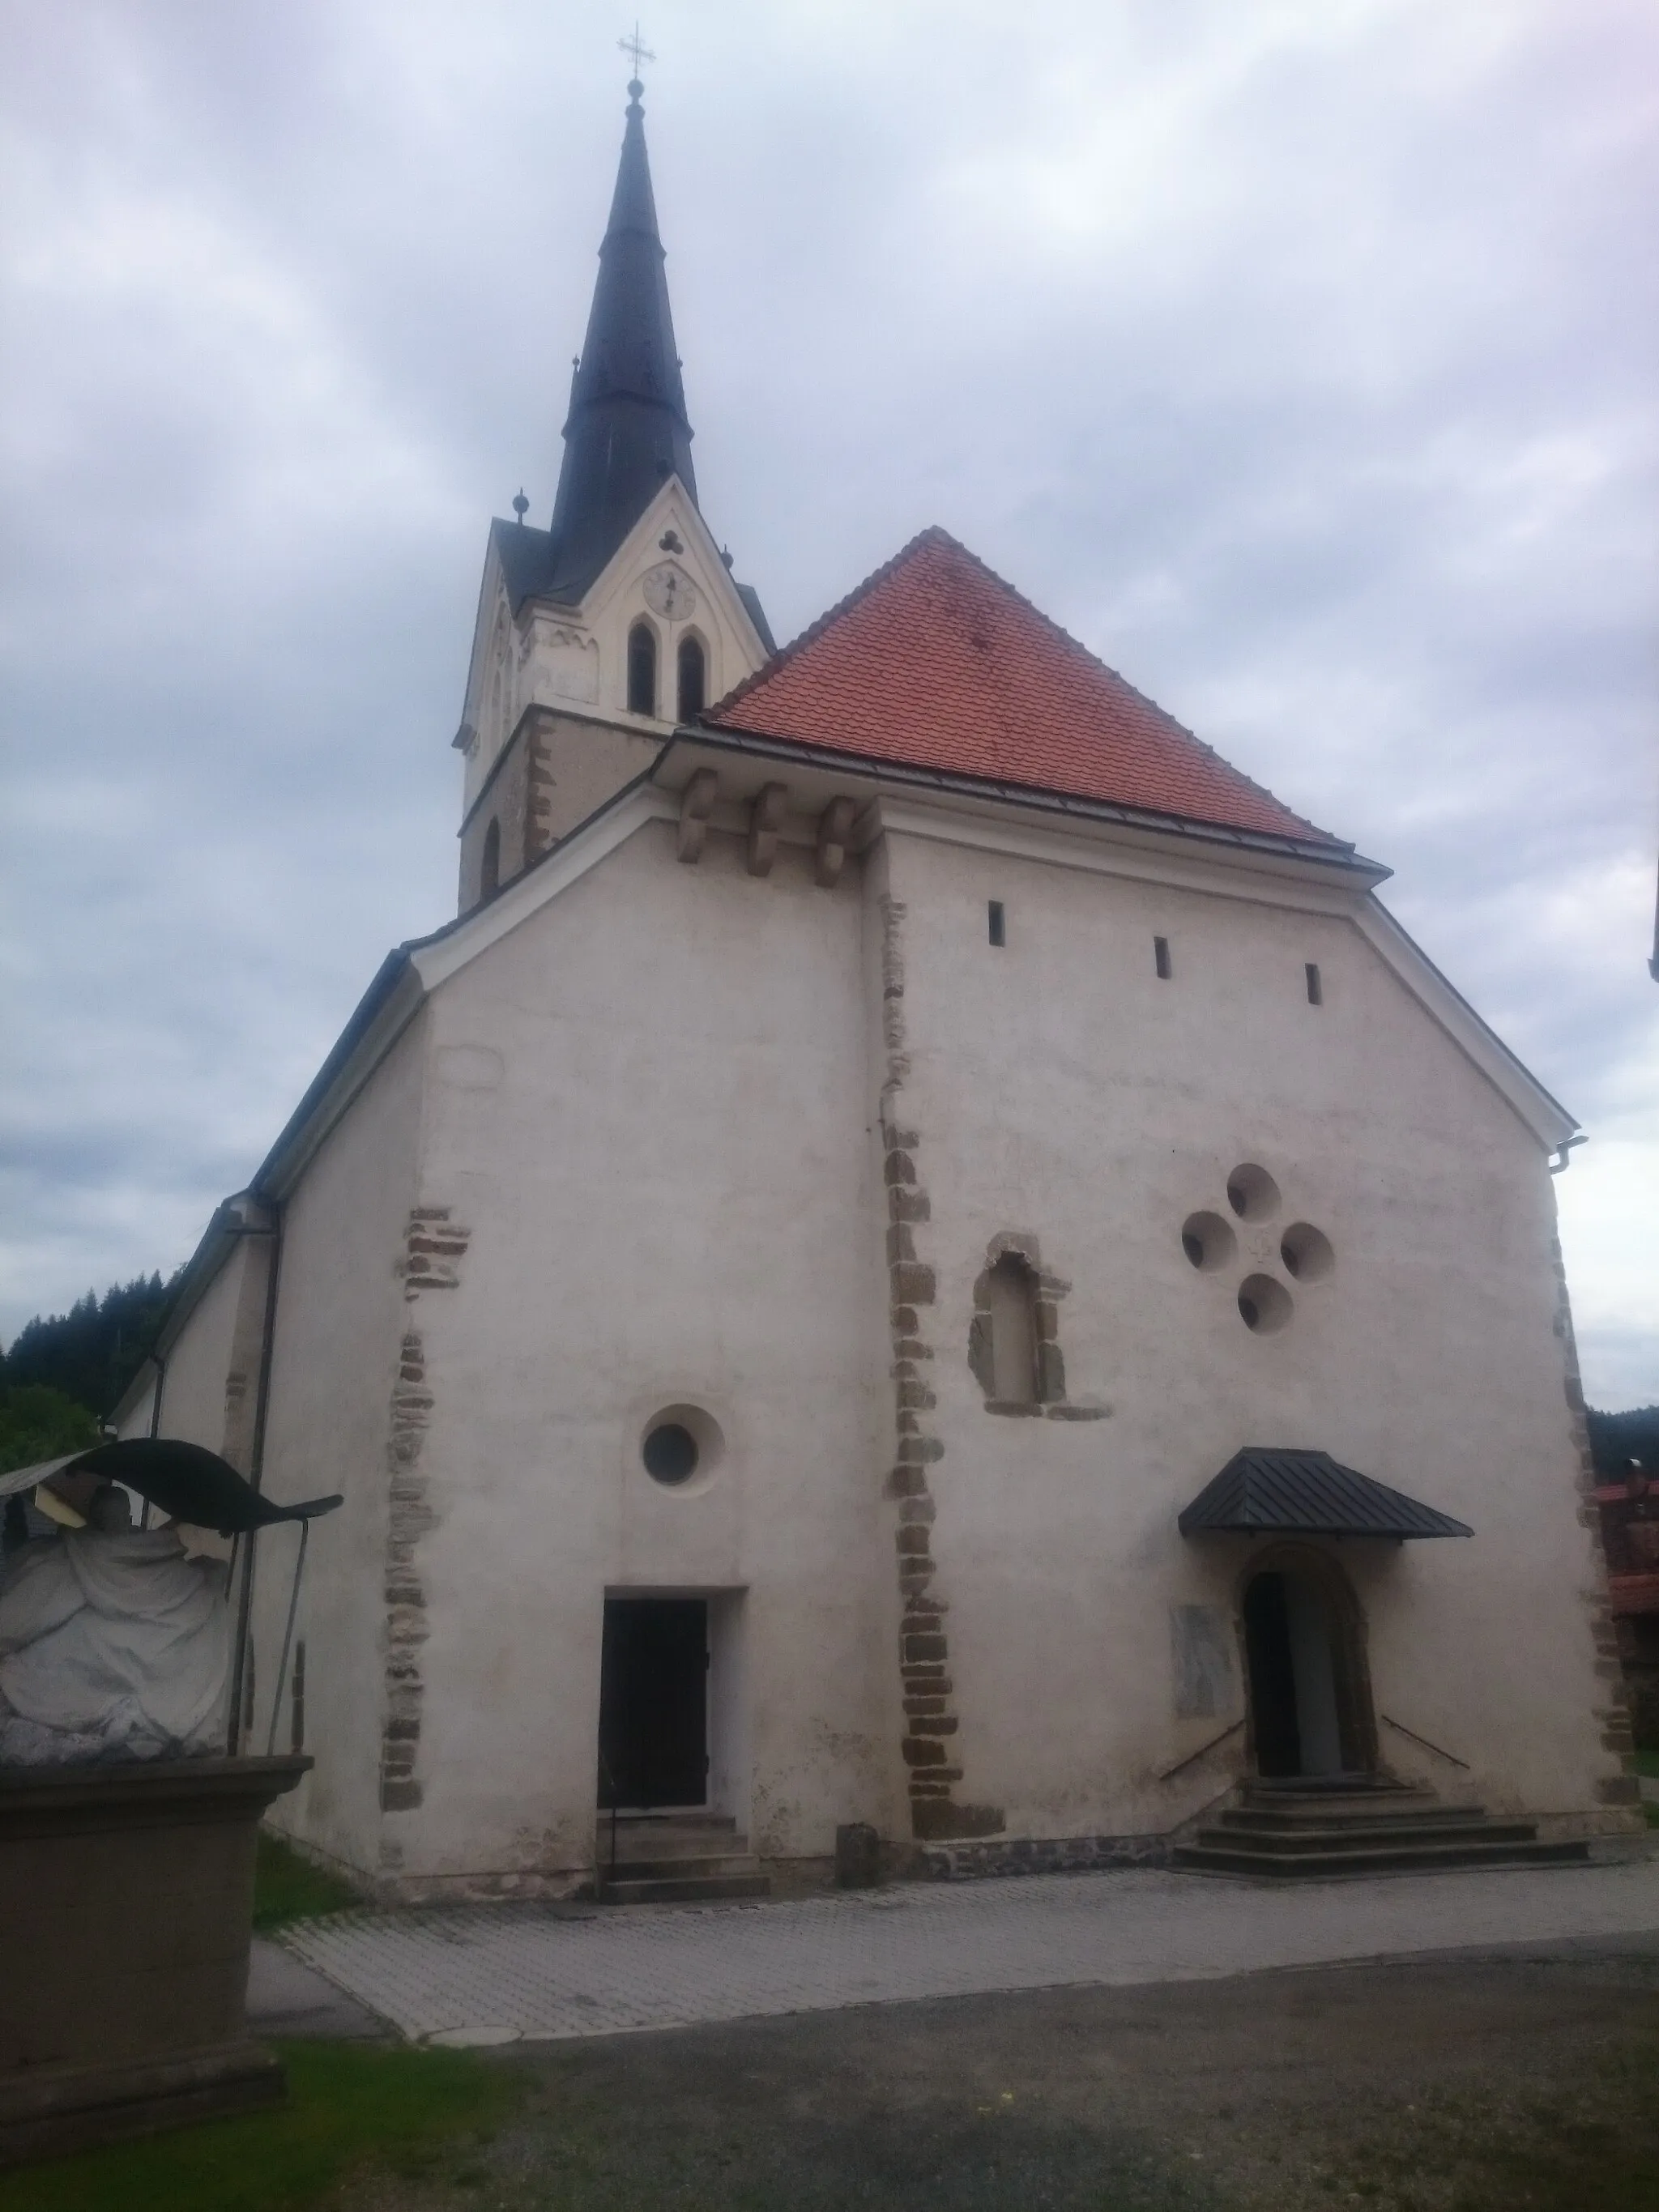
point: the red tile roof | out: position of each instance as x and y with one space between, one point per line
934 662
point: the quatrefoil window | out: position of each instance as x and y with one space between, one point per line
1211 1245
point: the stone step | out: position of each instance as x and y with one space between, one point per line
1331 1785
1313 1820
673 1843
1428 1858
1242 1834
683 1889
681 1867
1339 1805
669 1823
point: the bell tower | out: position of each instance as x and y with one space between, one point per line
597 637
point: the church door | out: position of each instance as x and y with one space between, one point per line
653 1703
1291 1644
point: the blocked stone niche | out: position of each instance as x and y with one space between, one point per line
1013 1338
1202 1650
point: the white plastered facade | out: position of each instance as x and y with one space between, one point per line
622 1140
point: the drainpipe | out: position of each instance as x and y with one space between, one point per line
243 1568
158 1361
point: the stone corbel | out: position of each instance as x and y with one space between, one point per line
696 801
764 816
834 824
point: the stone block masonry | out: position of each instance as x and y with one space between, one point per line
1007 1855
433 1248
928 1746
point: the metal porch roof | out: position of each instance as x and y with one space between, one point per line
1265 1491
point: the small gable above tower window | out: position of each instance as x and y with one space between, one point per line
693 678
641 670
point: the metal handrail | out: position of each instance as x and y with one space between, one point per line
1165 1773
1438 1750
288 1638
611 1787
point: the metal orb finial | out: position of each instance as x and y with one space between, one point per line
521 506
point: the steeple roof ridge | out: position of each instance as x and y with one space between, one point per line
627 431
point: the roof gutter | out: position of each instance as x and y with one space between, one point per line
1332 853
381 1014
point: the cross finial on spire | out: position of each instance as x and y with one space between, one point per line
637 52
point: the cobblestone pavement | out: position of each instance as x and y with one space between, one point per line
486 1974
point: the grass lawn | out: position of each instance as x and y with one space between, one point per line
287 1887
418 2114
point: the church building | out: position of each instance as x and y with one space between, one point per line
922 1269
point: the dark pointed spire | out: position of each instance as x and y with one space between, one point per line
627 431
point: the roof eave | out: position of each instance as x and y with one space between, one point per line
384 1012
1034 798
232 1220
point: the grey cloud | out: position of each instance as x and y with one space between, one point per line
1297 358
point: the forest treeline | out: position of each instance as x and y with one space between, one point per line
64 1375
1616 1439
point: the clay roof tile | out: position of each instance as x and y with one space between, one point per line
934 662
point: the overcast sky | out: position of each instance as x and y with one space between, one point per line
1297 355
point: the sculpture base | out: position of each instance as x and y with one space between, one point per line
127 1908
56 2110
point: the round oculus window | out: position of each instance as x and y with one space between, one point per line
1208 1241
1306 1252
670 1454
1264 1305
1252 1193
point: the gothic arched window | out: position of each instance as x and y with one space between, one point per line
641 670
692 672
490 868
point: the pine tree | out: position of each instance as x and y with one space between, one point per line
92 1353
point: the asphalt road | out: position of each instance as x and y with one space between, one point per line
1460 2083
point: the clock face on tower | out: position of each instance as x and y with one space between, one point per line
669 593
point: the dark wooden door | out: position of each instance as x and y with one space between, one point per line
1273 1677
654 1702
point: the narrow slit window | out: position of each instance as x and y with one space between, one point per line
490 868
1013 1290
1162 963
692 667
1316 988
997 922
641 670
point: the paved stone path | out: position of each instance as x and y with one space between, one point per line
485 1974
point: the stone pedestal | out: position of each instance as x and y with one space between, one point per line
127 1908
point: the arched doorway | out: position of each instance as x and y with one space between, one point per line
1310 1708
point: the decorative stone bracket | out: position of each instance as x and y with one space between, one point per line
696 801
765 828
765 819
835 826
